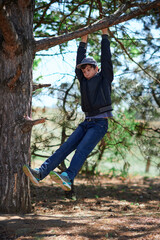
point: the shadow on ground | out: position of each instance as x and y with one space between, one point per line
104 209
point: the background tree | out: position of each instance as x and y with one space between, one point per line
17 51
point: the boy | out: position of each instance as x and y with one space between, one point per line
95 87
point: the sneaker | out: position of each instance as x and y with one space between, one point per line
62 180
33 174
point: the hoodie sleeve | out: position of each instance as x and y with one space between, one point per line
106 63
81 54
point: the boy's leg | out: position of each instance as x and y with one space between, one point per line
96 131
65 149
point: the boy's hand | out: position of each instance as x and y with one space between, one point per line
105 31
84 38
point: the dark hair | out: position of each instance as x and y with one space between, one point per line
84 66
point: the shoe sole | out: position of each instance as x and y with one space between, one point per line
30 175
57 179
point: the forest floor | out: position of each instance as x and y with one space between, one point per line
104 209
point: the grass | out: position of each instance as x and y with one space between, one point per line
137 164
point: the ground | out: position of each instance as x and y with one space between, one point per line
105 208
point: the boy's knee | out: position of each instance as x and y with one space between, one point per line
82 152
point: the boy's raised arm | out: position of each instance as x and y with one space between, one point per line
81 54
106 62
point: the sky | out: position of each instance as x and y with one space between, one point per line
52 69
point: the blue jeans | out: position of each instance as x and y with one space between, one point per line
83 139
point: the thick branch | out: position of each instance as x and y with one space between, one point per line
114 19
10 36
53 41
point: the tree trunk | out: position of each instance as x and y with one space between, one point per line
16 58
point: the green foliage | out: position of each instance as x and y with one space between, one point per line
36 63
120 133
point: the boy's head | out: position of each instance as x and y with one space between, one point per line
89 67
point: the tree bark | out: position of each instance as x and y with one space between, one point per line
15 99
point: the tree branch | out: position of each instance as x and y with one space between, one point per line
38 86
143 69
53 41
43 15
74 9
10 36
114 19
28 123
157 99
39 155
100 8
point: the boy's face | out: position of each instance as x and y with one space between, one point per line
89 71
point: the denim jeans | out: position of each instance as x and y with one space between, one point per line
83 140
